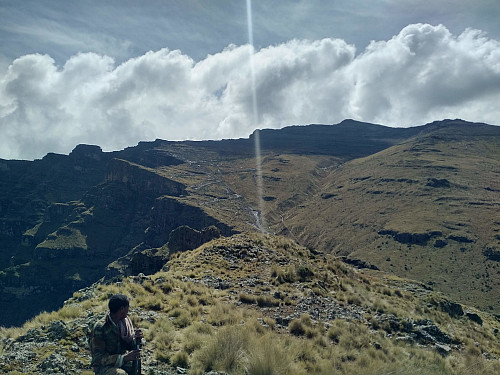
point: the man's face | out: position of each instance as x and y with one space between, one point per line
123 311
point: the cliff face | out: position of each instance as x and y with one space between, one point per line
65 238
420 203
142 180
167 214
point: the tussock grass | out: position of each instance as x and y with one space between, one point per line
180 359
222 314
195 336
223 352
217 335
267 355
303 326
151 302
11 333
202 329
267 301
162 335
247 298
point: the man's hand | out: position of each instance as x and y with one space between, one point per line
138 334
132 356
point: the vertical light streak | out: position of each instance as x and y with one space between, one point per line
258 159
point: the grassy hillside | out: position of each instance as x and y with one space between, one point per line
420 203
427 209
260 304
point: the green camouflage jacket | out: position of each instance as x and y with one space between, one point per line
107 346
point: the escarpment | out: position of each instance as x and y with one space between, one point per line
141 179
419 203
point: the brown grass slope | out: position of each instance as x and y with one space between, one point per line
424 207
427 209
260 304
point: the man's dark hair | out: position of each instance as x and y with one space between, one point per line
117 301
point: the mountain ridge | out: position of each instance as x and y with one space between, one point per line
111 205
253 302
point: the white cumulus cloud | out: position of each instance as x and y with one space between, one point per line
424 73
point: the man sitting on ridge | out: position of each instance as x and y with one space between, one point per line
110 339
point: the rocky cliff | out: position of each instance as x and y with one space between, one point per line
68 236
418 203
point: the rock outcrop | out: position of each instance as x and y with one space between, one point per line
147 261
411 238
142 180
186 238
492 253
438 183
168 213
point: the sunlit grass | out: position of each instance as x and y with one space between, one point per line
190 325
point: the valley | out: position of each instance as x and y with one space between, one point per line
420 203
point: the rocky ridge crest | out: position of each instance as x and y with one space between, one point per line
288 289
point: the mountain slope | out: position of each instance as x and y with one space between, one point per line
253 304
58 241
419 202
427 209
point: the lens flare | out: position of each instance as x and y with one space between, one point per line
258 160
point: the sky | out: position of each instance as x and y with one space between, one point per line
116 72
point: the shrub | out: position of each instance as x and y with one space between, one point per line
224 352
267 356
297 328
246 298
304 273
180 359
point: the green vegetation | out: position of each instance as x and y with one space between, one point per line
422 210
65 239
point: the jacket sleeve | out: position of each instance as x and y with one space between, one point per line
99 355
132 345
